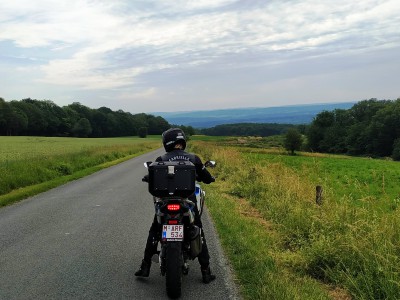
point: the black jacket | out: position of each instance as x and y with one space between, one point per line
180 155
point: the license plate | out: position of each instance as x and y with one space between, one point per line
172 233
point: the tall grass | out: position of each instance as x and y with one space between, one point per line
341 243
26 161
366 182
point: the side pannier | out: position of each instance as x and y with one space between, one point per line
168 179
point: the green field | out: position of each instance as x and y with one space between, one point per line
32 164
365 182
282 245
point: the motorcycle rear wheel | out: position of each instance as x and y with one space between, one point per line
173 268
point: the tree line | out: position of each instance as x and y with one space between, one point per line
45 118
370 127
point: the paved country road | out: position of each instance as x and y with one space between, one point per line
85 240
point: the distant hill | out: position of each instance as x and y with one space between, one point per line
295 114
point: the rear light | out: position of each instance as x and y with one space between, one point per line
173 207
172 222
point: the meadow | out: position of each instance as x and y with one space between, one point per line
32 164
283 245
372 183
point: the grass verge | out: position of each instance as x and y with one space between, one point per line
248 240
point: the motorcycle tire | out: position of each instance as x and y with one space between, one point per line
173 268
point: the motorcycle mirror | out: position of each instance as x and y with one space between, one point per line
210 164
147 164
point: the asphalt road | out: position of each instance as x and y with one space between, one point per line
85 240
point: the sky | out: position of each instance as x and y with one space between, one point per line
175 55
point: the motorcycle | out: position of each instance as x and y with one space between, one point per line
173 185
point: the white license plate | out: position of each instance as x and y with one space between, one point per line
172 233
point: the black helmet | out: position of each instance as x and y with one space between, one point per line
173 136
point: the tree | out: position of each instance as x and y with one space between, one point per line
156 125
293 140
5 114
37 122
396 150
357 139
45 118
54 116
364 110
385 129
334 140
82 128
142 132
317 131
314 137
99 123
18 122
111 125
72 117
188 130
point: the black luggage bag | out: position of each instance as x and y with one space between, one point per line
169 179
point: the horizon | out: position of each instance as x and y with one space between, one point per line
222 109
260 107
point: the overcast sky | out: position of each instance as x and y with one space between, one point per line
176 55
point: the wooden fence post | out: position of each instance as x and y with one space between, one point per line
318 197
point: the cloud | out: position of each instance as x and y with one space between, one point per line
143 94
98 44
192 5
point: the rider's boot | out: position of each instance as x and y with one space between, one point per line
207 276
144 270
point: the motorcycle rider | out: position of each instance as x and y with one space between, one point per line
174 141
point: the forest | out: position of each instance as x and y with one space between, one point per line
369 128
44 118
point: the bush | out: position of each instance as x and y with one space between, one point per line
64 168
